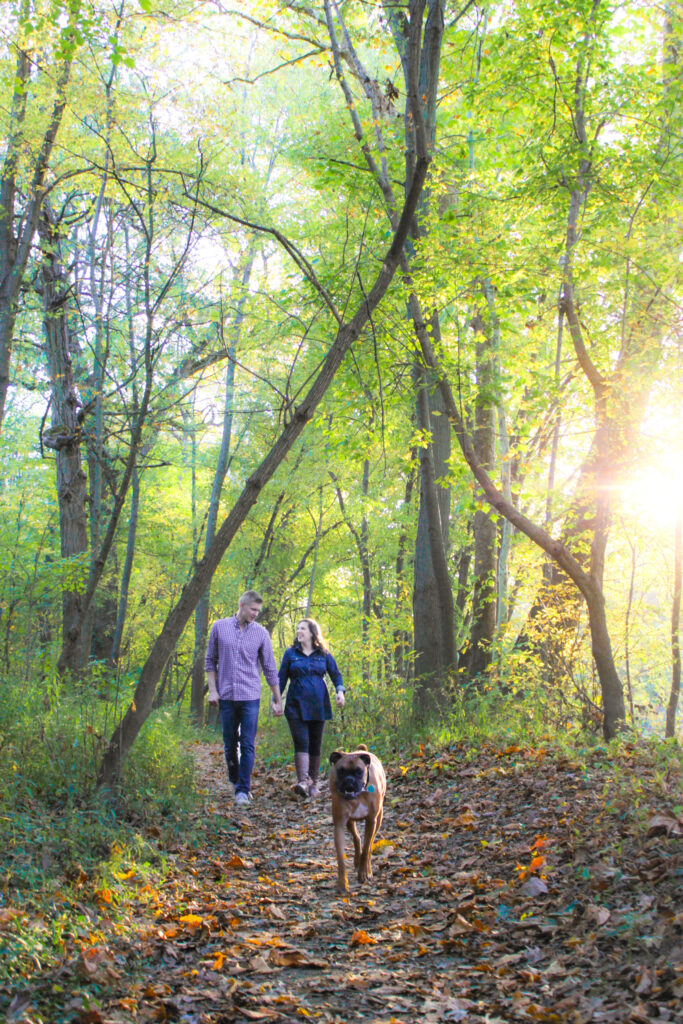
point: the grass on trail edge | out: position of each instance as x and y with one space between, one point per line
511 884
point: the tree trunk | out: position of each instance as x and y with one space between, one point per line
65 433
201 623
127 567
433 609
15 249
483 626
675 628
115 651
127 730
360 539
402 636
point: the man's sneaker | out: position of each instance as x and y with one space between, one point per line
242 799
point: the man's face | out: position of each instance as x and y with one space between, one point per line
249 611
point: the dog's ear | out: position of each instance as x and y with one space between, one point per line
335 755
366 758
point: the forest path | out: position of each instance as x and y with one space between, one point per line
510 885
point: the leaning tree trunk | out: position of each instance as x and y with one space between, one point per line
124 735
64 436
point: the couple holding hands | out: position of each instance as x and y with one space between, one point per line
238 650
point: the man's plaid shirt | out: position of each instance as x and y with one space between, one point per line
237 656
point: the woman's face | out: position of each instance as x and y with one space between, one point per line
303 634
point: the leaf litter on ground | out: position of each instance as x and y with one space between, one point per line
510 885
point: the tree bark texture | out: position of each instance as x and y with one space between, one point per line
15 248
433 609
65 433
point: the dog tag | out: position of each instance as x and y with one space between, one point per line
371 788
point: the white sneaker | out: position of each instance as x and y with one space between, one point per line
242 799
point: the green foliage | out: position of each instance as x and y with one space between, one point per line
53 821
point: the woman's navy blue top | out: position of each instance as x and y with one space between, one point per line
308 698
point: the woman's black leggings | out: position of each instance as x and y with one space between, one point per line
307 736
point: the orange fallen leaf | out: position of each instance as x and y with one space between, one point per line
361 938
237 862
191 920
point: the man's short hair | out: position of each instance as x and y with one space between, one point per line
251 597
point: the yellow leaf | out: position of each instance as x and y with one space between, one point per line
380 844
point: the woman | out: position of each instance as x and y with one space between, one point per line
304 664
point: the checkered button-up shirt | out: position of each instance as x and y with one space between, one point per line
237 656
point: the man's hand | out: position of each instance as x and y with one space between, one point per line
211 682
276 706
340 699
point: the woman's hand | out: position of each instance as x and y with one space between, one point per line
340 699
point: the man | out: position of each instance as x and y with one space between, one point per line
238 649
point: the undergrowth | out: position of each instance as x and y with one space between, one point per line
54 822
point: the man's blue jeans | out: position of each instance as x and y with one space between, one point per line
239 719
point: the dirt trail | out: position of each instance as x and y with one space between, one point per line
509 886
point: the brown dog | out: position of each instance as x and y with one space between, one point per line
358 785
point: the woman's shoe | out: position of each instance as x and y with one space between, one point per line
300 790
313 788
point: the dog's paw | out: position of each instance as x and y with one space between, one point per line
364 872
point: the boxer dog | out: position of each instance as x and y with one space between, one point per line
357 785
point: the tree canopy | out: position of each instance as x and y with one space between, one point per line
372 307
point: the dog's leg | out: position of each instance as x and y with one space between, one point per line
365 866
353 829
342 880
